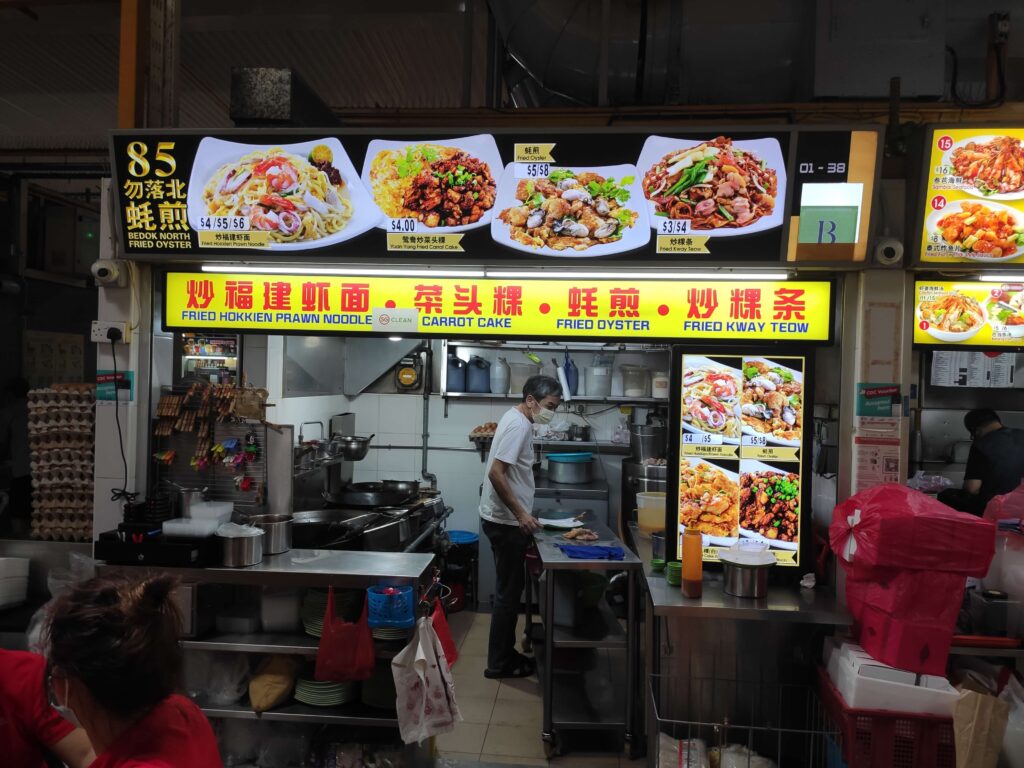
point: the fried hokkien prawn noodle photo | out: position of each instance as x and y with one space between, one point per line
708 499
713 184
291 197
437 185
570 210
711 396
772 401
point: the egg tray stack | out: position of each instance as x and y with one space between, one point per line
61 427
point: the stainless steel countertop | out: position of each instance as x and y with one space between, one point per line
791 604
596 489
308 568
553 558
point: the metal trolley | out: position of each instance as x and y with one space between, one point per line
588 673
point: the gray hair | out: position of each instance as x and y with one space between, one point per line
541 387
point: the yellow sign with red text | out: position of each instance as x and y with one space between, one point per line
763 311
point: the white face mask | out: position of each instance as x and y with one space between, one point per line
65 711
543 416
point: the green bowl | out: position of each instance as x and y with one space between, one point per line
657 564
674 573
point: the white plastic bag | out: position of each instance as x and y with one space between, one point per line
425 688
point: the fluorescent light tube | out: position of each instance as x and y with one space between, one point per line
1004 278
252 269
640 275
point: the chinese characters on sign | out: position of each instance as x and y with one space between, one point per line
154 206
538 308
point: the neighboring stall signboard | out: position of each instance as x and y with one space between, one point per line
973 210
969 314
697 195
784 311
741 419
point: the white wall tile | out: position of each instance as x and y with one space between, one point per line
361 474
367 411
400 413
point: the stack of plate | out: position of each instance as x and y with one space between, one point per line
325 694
392 633
314 606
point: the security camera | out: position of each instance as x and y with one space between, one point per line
889 252
109 272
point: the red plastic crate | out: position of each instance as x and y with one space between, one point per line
880 739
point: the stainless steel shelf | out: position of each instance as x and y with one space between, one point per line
293 644
587 699
295 712
614 636
970 650
576 399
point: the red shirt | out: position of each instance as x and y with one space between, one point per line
176 734
28 724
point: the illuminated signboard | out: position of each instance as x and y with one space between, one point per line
783 311
969 314
973 210
707 194
740 440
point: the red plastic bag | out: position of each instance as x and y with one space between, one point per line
346 650
1008 506
920 647
444 633
920 596
892 526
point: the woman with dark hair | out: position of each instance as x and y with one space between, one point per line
115 663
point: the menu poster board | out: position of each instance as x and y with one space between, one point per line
834 184
740 432
700 195
969 314
667 310
973 209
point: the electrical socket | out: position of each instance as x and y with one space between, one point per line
100 328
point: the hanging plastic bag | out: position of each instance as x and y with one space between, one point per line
424 686
444 633
346 650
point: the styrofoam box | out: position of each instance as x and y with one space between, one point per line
13 590
869 684
13 567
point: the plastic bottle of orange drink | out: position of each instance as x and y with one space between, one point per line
693 563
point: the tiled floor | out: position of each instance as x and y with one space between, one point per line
502 720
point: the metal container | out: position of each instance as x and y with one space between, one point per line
745 580
242 551
570 468
350 447
393 535
277 531
647 441
579 433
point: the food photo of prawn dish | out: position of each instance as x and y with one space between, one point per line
951 316
293 198
710 398
708 500
715 184
772 403
993 167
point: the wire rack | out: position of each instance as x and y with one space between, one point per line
784 723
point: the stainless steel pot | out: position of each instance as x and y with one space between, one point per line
579 432
408 488
186 497
277 530
745 580
573 472
647 441
242 551
350 447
